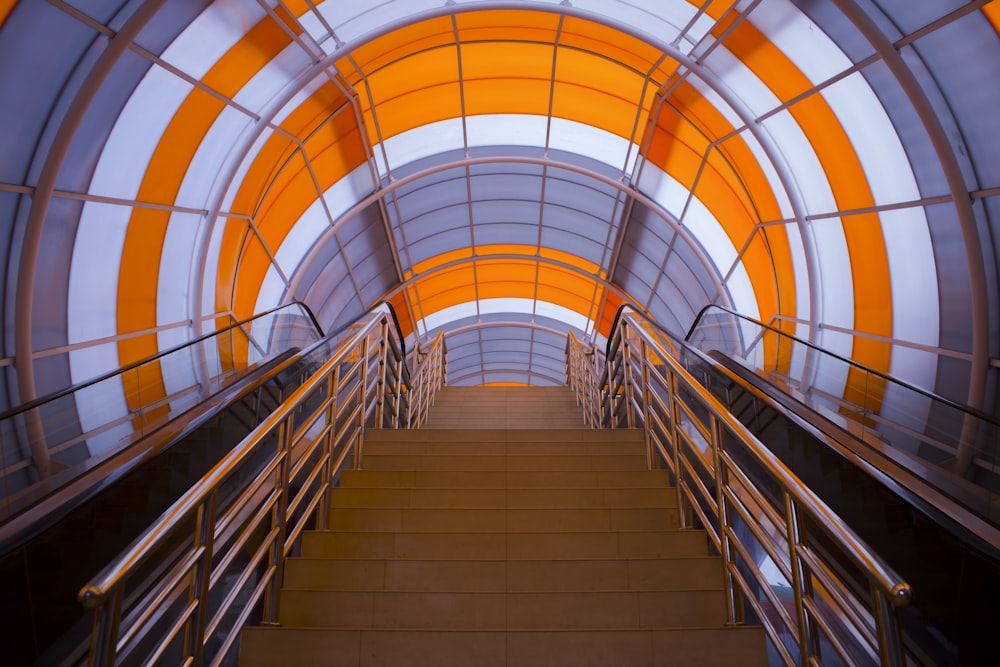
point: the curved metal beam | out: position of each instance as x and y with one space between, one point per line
31 244
515 159
249 138
558 381
505 323
963 209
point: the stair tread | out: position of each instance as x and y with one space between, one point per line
481 544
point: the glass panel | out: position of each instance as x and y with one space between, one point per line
911 425
83 426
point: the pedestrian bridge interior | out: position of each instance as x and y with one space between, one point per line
504 173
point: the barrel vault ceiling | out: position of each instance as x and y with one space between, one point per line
502 171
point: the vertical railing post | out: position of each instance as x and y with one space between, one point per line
363 398
799 584
329 449
722 511
401 392
380 389
104 642
674 410
644 378
201 586
890 640
628 391
280 511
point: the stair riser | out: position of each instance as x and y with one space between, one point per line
469 421
697 573
708 647
504 448
500 520
497 611
486 462
506 479
569 436
503 498
515 546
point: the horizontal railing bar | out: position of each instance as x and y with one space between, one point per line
112 575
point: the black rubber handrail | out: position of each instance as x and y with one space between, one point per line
48 398
956 528
979 414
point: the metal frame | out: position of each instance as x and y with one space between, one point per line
274 484
16 423
123 39
691 434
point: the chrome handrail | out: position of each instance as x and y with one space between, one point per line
431 375
28 436
755 511
238 523
967 434
583 379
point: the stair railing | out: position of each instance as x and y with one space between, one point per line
56 437
922 429
214 561
431 375
582 377
820 593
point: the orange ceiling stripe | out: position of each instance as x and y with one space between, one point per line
398 302
572 260
770 266
335 149
597 92
443 258
992 12
505 278
609 43
445 288
401 43
141 254
607 316
6 7
491 25
866 245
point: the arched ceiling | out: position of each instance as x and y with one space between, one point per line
502 171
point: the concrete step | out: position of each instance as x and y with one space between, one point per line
661 647
502 498
501 520
569 545
500 462
503 541
503 448
524 610
505 479
616 574
470 437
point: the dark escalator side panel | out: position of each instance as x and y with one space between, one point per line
955 611
42 622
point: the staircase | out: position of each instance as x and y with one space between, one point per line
503 534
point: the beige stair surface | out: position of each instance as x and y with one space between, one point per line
474 544
505 407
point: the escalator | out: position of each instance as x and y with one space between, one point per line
946 551
51 547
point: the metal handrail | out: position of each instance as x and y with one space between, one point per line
431 375
908 386
969 432
752 507
62 393
582 378
241 520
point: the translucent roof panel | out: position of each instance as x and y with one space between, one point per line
826 167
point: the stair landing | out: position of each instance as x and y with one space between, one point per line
491 546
